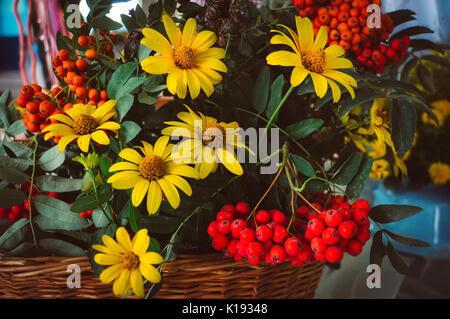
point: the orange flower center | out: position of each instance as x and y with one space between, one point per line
213 135
183 57
84 124
130 261
314 61
152 167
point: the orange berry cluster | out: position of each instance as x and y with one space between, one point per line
346 24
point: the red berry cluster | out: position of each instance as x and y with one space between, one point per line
346 25
268 240
343 228
22 211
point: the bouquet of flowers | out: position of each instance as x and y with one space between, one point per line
230 126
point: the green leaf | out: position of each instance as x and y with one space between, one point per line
129 86
423 44
124 104
16 128
157 10
128 131
128 22
3 112
397 262
18 163
50 183
306 87
145 98
363 95
276 94
97 239
106 23
62 42
425 78
15 234
59 213
348 170
260 93
407 69
159 224
99 218
141 18
21 250
378 250
143 52
18 149
52 159
304 128
321 102
189 7
418 103
409 241
316 186
88 202
12 175
132 216
437 59
401 16
303 166
411 31
170 6
385 214
403 121
358 183
105 163
11 197
119 77
154 245
61 248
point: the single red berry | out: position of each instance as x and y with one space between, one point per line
263 233
254 260
333 218
227 207
334 254
316 226
296 262
220 241
241 247
242 208
320 257
13 216
345 210
223 226
212 228
53 194
267 245
343 242
308 235
360 216
279 234
363 234
279 218
263 217
232 247
355 247
277 254
361 204
293 246
348 229
330 236
338 199
302 211
238 258
237 226
224 215
18 210
247 235
255 248
312 214
306 255
318 245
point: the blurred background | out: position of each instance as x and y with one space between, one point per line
28 31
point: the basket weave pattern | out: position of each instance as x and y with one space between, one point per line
190 276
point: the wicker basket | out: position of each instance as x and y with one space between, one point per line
190 276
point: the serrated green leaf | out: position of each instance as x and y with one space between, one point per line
119 78
18 163
12 175
123 105
141 17
385 214
16 128
50 183
51 159
303 165
146 98
18 149
348 170
106 23
128 131
356 186
130 86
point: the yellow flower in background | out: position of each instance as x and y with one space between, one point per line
378 150
442 106
153 174
310 57
89 161
441 109
380 170
128 262
379 123
207 142
82 123
399 165
188 58
439 173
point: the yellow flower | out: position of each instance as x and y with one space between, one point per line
442 106
153 174
311 58
378 150
427 119
83 123
90 161
439 173
188 58
207 142
380 170
128 261
399 165
379 123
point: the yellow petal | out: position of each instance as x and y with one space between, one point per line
139 192
183 170
193 84
100 137
137 283
205 168
320 84
212 63
182 84
121 286
64 141
105 250
83 143
189 31
158 64
283 58
131 155
123 238
151 258
62 118
214 76
122 166
335 90
154 198
172 81
106 260
283 39
112 126
204 40
140 242
102 113
156 41
338 63
321 39
298 75
110 273
76 111
160 145
205 82
334 51
305 33
213 53
230 162
112 244
124 179
148 148
150 273
172 30
170 192
179 182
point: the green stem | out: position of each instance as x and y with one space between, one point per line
30 217
301 189
285 97
94 185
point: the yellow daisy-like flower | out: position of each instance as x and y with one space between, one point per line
378 150
380 170
379 123
310 57
153 174
82 123
128 262
188 58
206 142
439 173
89 161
